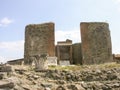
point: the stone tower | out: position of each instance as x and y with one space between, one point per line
96 42
39 38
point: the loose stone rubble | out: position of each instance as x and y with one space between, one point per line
85 79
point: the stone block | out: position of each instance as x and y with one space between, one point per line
64 63
6 85
96 42
52 61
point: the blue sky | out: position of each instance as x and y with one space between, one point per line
66 14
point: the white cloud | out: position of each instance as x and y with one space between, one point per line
74 35
12 46
11 50
5 21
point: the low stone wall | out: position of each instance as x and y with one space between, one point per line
16 62
116 58
52 61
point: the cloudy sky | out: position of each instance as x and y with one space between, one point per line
66 14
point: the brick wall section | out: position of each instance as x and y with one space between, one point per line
77 53
96 42
39 38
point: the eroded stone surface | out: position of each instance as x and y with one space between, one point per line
87 79
39 38
64 51
52 61
77 53
96 43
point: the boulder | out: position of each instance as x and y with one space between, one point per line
6 84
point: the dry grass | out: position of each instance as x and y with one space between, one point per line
71 67
85 67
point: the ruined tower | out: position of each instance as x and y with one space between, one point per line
39 38
96 42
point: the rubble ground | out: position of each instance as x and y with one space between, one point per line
73 77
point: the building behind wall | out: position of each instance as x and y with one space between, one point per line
96 42
64 51
16 62
39 38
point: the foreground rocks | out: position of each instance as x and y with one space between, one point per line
86 79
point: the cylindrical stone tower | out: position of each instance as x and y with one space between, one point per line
96 42
39 39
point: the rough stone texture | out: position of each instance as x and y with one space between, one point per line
96 42
52 61
5 85
64 63
64 50
77 53
74 77
40 62
39 38
5 68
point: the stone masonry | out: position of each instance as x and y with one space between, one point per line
96 42
76 53
64 51
39 39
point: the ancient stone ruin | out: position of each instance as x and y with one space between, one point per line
116 58
64 51
39 39
95 47
77 53
96 42
40 62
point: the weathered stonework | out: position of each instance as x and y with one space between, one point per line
116 58
77 53
96 42
39 39
64 51
16 62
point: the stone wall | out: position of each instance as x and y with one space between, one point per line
77 53
64 51
16 62
116 58
39 38
96 42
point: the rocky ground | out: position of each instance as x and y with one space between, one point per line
93 77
